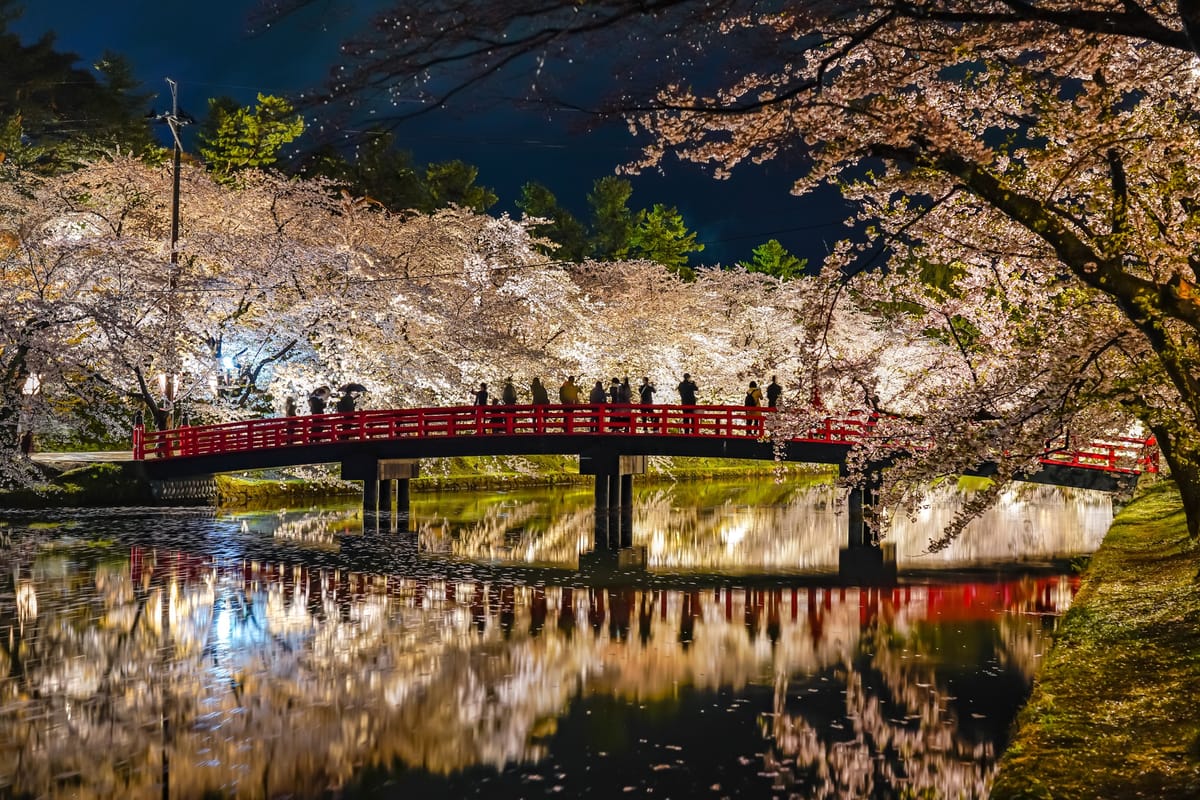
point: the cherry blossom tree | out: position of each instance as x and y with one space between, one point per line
1044 143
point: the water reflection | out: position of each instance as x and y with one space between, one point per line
284 655
734 532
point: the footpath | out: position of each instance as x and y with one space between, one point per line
1115 712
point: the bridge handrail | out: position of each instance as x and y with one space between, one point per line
1120 454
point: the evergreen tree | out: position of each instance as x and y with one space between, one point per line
612 221
454 182
233 138
772 258
661 235
563 229
54 114
378 170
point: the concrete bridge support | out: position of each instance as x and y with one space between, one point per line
385 482
865 559
614 495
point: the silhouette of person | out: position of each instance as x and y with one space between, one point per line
687 397
646 397
774 392
687 390
538 392
596 398
646 392
317 402
480 402
509 393
568 393
754 399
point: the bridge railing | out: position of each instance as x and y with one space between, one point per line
1121 454
525 420
1124 455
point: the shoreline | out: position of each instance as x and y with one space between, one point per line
1114 710
100 484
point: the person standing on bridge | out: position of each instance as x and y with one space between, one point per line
626 395
568 393
774 392
754 399
480 403
318 400
598 398
687 397
508 395
538 392
646 397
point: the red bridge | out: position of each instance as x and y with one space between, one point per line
631 430
383 448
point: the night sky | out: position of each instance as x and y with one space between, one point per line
208 49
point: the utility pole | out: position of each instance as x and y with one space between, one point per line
175 121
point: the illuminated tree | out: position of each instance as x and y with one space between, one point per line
772 258
234 138
1043 144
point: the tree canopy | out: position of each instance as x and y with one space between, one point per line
1040 149
55 114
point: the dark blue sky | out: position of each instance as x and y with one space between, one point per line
207 48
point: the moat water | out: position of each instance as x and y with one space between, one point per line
489 647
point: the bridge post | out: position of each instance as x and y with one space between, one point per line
614 494
387 496
370 497
865 559
379 475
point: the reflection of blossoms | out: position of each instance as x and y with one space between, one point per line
913 741
26 603
282 679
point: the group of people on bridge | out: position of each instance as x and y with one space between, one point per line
619 392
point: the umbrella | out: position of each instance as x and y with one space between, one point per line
320 391
352 387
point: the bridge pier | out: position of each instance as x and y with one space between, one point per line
385 481
614 494
865 559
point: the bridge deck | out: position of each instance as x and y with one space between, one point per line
670 430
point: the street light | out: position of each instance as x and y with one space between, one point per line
29 390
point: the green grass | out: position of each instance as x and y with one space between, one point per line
92 485
1116 709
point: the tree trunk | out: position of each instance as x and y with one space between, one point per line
1182 454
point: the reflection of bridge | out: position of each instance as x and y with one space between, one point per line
285 678
382 448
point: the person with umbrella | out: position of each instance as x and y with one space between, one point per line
350 392
345 404
318 399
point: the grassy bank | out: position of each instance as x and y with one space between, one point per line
118 484
503 473
1116 709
